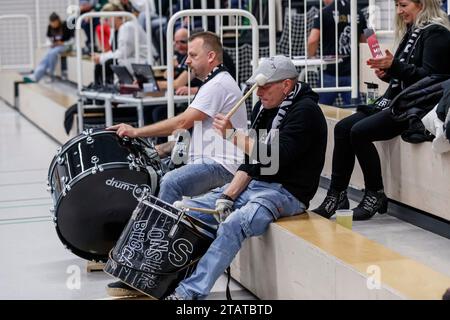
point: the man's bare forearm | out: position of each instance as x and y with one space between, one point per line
238 184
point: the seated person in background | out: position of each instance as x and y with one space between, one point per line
212 161
424 31
85 7
60 39
329 47
255 198
124 46
181 75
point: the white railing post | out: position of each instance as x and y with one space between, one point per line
148 30
210 12
272 29
354 43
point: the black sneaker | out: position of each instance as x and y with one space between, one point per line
120 289
333 201
371 203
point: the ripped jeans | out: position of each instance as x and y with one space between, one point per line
257 206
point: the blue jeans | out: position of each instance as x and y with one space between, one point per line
193 180
49 62
256 207
328 98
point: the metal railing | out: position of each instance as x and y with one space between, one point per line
306 63
204 13
29 65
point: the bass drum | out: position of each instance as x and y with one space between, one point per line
95 180
159 247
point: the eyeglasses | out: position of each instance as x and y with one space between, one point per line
181 41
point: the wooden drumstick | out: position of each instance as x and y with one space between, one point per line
260 80
180 205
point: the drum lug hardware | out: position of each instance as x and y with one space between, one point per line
66 189
174 228
60 160
94 161
58 150
64 180
52 210
89 140
138 208
49 187
88 132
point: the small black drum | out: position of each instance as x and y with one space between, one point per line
159 247
96 180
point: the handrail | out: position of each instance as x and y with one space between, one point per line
208 12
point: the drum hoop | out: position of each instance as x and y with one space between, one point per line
88 172
76 140
185 221
67 146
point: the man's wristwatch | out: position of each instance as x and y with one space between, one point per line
226 197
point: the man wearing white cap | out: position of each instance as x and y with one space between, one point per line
295 139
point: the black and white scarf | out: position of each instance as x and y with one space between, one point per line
282 111
407 45
214 72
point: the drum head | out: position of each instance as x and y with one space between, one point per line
96 210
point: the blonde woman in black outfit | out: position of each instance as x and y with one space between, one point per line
423 34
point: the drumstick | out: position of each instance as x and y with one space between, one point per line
181 205
260 80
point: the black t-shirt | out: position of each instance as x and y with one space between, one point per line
344 34
60 34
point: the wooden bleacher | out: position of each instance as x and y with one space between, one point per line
310 257
7 80
46 108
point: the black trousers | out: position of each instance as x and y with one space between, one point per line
354 136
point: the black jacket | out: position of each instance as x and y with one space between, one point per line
302 146
430 56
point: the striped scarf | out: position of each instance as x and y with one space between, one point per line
283 109
407 45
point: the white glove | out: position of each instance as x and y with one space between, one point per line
178 204
224 206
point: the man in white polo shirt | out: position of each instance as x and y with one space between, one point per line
213 161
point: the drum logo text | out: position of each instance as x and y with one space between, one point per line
125 186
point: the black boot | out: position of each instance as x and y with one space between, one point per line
333 201
371 203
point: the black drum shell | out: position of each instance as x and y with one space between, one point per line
148 259
95 186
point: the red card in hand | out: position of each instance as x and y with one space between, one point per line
373 43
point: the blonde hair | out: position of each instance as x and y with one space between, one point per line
431 13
